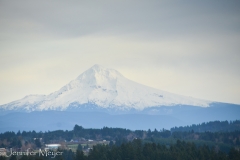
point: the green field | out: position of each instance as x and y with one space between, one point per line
73 147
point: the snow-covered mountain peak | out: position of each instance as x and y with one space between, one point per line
99 77
99 73
105 88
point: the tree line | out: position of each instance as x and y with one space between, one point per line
214 126
138 150
25 138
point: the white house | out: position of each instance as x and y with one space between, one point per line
53 146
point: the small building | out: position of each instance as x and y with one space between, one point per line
3 152
53 146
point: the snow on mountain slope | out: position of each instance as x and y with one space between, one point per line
28 103
106 88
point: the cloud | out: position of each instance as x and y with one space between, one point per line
154 18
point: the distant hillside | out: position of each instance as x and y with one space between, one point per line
214 126
224 135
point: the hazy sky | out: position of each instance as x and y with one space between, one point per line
190 47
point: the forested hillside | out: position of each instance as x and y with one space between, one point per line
222 142
214 126
152 151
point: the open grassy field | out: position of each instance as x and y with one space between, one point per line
73 147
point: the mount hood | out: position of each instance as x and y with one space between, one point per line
106 89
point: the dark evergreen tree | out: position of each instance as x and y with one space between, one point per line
13 158
3 158
234 154
79 147
19 144
38 143
80 155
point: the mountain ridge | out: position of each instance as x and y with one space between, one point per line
106 88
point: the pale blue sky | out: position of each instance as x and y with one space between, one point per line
185 47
